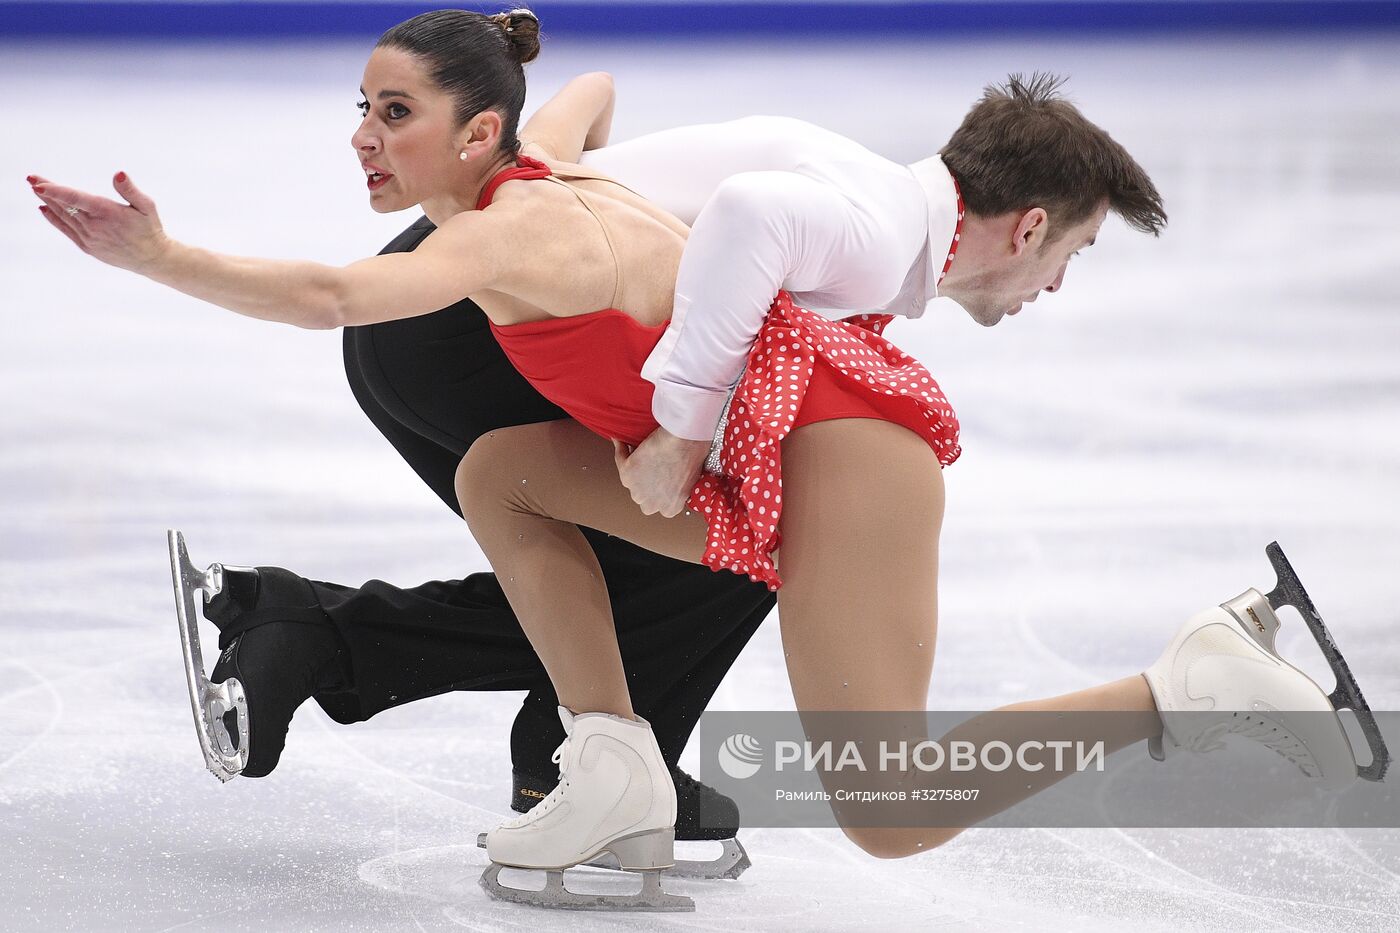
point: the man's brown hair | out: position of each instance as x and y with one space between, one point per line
1023 145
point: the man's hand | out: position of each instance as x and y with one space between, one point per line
661 472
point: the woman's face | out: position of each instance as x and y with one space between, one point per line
407 141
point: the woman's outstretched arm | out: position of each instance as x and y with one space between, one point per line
466 255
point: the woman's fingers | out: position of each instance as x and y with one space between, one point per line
59 208
69 217
126 235
72 216
134 196
52 217
91 203
60 215
72 197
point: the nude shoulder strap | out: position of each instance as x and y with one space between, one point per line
578 171
587 202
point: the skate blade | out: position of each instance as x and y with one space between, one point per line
224 758
555 896
1289 591
732 862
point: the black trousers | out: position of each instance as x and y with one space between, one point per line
432 385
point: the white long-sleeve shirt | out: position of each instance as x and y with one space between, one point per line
776 203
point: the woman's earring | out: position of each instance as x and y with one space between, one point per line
462 156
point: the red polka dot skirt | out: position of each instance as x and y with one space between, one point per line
859 374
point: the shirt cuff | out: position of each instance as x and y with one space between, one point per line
688 412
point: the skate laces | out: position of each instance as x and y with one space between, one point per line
552 799
1261 730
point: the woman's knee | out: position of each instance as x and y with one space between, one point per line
483 476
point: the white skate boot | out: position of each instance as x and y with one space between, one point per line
1222 674
614 796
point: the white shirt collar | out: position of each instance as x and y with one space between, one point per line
921 285
933 176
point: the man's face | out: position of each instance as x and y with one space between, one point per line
1027 266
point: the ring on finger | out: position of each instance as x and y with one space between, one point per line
73 211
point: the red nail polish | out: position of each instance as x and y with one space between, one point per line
121 176
29 178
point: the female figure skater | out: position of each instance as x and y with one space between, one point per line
857 431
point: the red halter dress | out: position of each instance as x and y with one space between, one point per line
803 368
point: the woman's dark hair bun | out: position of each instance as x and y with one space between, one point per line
522 28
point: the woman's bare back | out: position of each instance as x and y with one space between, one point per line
622 253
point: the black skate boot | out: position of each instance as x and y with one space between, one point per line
702 812
279 663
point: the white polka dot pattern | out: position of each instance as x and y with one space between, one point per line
742 504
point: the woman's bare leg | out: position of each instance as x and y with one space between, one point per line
863 504
524 491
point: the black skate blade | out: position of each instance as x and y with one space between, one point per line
1289 591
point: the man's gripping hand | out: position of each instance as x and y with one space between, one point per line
661 472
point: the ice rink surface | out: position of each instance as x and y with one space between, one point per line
1132 443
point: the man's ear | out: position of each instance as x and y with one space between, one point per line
1030 231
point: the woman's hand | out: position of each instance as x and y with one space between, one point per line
128 236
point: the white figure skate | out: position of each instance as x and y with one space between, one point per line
224 757
731 862
614 796
1222 674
